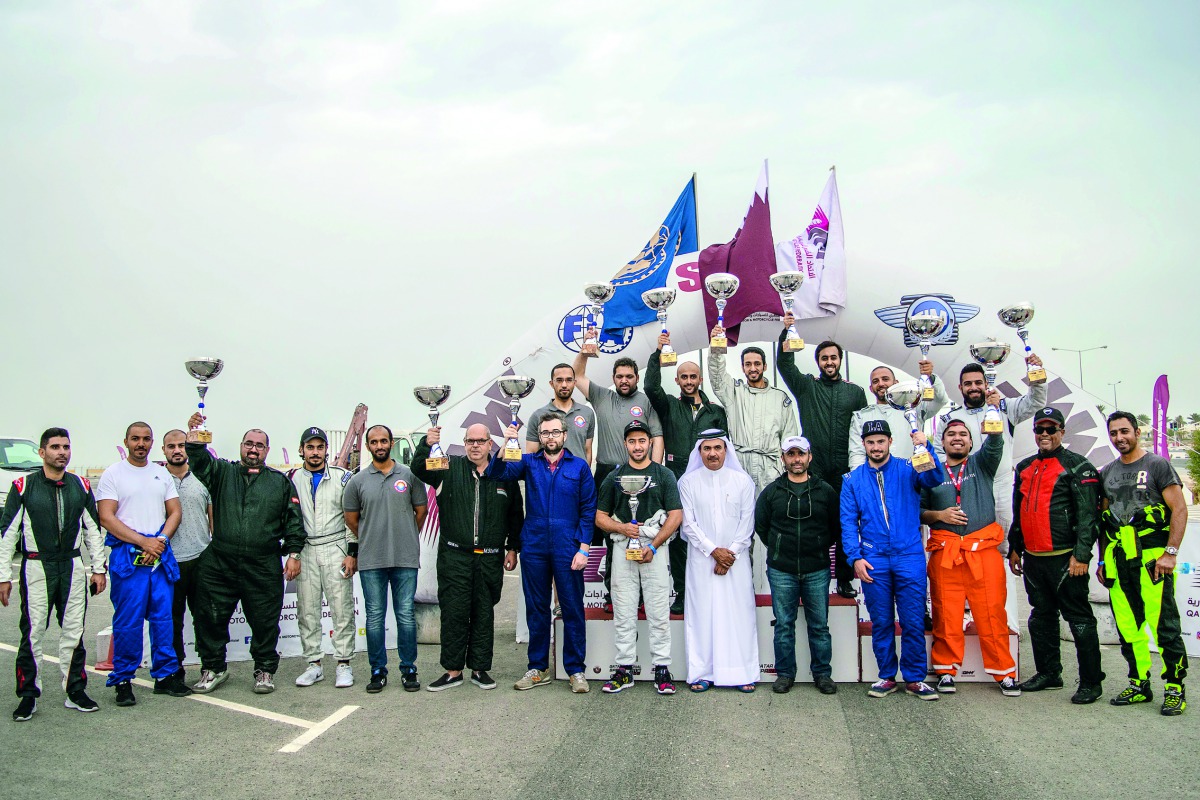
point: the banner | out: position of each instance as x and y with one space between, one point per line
820 253
1158 415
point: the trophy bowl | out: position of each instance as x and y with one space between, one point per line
658 299
990 352
926 325
202 369
722 285
515 386
633 484
431 396
904 396
599 293
787 282
1018 315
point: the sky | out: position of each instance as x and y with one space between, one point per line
345 200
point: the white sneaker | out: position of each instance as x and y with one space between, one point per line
264 682
344 677
210 680
311 675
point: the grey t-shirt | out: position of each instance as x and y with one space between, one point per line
613 413
1131 487
387 529
192 536
580 423
969 485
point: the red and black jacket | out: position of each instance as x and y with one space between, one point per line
1056 504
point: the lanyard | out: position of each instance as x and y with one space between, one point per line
957 480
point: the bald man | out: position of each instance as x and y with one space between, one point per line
481 534
682 418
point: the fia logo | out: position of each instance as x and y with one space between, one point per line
943 305
573 326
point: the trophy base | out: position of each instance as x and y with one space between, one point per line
922 462
512 453
204 436
436 464
793 345
633 554
1036 376
718 345
668 359
590 350
991 426
927 393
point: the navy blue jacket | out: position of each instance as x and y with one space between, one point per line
885 520
560 505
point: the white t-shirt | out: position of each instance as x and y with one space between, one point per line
141 494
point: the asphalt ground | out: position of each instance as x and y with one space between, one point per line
548 743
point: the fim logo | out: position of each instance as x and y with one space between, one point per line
943 305
573 326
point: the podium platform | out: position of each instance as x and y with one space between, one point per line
971 670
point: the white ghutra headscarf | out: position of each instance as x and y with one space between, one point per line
696 461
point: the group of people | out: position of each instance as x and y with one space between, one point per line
679 489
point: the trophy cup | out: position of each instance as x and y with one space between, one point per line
721 286
203 370
788 283
660 300
925 327
1018 316
906 396
597 294
990 355
633 485
432 397
514 387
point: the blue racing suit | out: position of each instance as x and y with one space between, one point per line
881 522
140 594
560 511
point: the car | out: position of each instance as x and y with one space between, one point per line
18 456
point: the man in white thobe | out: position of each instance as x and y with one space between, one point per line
718 522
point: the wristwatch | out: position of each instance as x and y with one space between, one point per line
1171 551
294 555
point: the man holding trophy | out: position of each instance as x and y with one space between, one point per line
640 490
882 379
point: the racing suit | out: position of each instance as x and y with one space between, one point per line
759 421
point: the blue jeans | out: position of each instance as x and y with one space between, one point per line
812 589
403 581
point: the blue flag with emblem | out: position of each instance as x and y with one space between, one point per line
650 268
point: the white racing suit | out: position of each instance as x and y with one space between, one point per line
759 421
902 446
653 582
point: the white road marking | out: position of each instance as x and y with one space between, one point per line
318 728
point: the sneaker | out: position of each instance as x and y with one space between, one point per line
209 680
408 679
264 682
782 684
1174 700
1009 687
663 682
312 673
343 676
1086 694
79 701
882 688
1135 692
945 685
1042 681
481 679
846 589
621 679
377 682
535 677
579 684
921 690
25 709
171 685
825 685
445 682
125 696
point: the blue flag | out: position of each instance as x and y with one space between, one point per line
650 268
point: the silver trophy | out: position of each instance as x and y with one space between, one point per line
660 300
514 387
991 355
721 286
203 370
597 294
1018 316
788 283
432 397
926 326
906 396
633 485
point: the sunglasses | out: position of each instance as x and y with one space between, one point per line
1045 430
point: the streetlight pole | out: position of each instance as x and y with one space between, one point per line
1114 388
1080 353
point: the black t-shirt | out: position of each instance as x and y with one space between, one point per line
663 493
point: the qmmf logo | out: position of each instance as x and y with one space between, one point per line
400 486
580 421
941 304
573 326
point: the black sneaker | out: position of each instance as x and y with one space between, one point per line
25 709
825 685
1087 694
481 679
663 682
621 679
408 679
125 694
1174 700
172 685
1135 692
378 681
677 606
846 589
1042 681
79 701
444 682
782 684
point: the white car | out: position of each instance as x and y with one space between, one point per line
17 457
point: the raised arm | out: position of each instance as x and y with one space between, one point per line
583 384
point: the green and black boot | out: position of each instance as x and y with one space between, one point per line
1135 692
1174 702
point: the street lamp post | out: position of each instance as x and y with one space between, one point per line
1080 353
1114 388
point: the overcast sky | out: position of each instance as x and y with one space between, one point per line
333 197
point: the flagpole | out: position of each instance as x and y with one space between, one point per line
696 208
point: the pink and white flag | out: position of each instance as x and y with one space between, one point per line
1162 398
820 253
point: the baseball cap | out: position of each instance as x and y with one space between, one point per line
313 433
637 426
794 443
1049 413
954 422
876 426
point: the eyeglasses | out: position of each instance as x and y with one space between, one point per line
551 434
477 441
1045 430
254 446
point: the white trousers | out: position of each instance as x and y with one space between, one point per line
653 583
320 573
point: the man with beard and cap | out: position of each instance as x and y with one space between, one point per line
965 565
682 420
881 531
139 507
191 538
580 419
718 523
826 404
973 386
50 518
882 379
327 562
256 519
480 537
